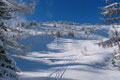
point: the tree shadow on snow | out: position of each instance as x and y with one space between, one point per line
101 32
31 65
39 43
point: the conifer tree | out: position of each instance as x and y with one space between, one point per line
9 36
112 16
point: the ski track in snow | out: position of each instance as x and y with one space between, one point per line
59 73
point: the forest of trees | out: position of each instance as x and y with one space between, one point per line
10 34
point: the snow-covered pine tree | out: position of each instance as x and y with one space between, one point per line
9 36
112 11
112 16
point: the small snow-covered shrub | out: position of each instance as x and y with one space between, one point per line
100 39
83 28
51 32
33 23
84 51
54 25
86 33
91 30
58 33
111 34
71 34
115 58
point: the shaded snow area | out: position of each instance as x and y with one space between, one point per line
66 58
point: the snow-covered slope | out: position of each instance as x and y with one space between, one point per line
67 58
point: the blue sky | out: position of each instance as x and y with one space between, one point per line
80 11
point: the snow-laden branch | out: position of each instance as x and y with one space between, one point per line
111 42
110 6
111 12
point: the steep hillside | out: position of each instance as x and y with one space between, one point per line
67 52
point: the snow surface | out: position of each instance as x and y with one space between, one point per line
66 58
